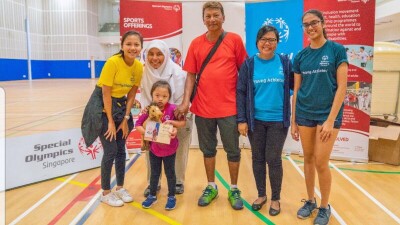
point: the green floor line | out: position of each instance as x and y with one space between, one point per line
245 203
371 171
295 160
357 170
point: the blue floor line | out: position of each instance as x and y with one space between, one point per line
94 206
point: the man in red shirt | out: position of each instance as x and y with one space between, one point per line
215 101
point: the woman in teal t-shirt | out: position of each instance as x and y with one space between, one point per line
319 90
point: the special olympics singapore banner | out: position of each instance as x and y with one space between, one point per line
349 22
47 155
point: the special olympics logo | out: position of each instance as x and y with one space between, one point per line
324 61
92 150
281 26
176 8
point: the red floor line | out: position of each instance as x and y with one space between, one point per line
86 194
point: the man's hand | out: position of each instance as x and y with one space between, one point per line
181 111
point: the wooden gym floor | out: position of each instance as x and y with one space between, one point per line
361 193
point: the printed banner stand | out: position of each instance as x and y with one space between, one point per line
47 155
348 23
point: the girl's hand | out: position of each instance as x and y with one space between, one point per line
171 122
111 134
144 111
243 129
124 127
174 132
294 131
326 130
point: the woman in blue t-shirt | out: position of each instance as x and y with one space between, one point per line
263 106
320 87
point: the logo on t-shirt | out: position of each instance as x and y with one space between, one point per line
132 79
167 117
324 61
281 71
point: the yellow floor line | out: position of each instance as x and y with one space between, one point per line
73 182
156 214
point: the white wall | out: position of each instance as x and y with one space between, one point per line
59 29
12 35
193 26
69 28
386 80
387 21
108 12
389 33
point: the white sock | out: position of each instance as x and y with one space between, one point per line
212 184
233 186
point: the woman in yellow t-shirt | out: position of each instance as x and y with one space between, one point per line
108 116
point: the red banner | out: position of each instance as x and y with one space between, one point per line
352 23
154 20
348 22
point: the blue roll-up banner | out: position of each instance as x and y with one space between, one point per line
285 16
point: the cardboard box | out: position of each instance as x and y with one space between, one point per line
384 144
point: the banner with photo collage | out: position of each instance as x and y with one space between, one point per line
154 20
351 23
348 22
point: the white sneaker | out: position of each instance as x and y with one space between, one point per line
124 195
111 199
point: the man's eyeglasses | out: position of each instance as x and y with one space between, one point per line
313 24
269 40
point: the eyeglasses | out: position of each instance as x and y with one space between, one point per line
313 24
269 40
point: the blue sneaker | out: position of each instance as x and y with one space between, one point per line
306 210
171 203
323 216
150 200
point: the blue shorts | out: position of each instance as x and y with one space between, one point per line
313 123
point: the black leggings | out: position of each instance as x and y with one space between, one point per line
169 169
267 141
114 152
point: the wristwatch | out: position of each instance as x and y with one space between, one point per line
127 117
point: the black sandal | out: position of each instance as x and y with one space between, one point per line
258 206
275 212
